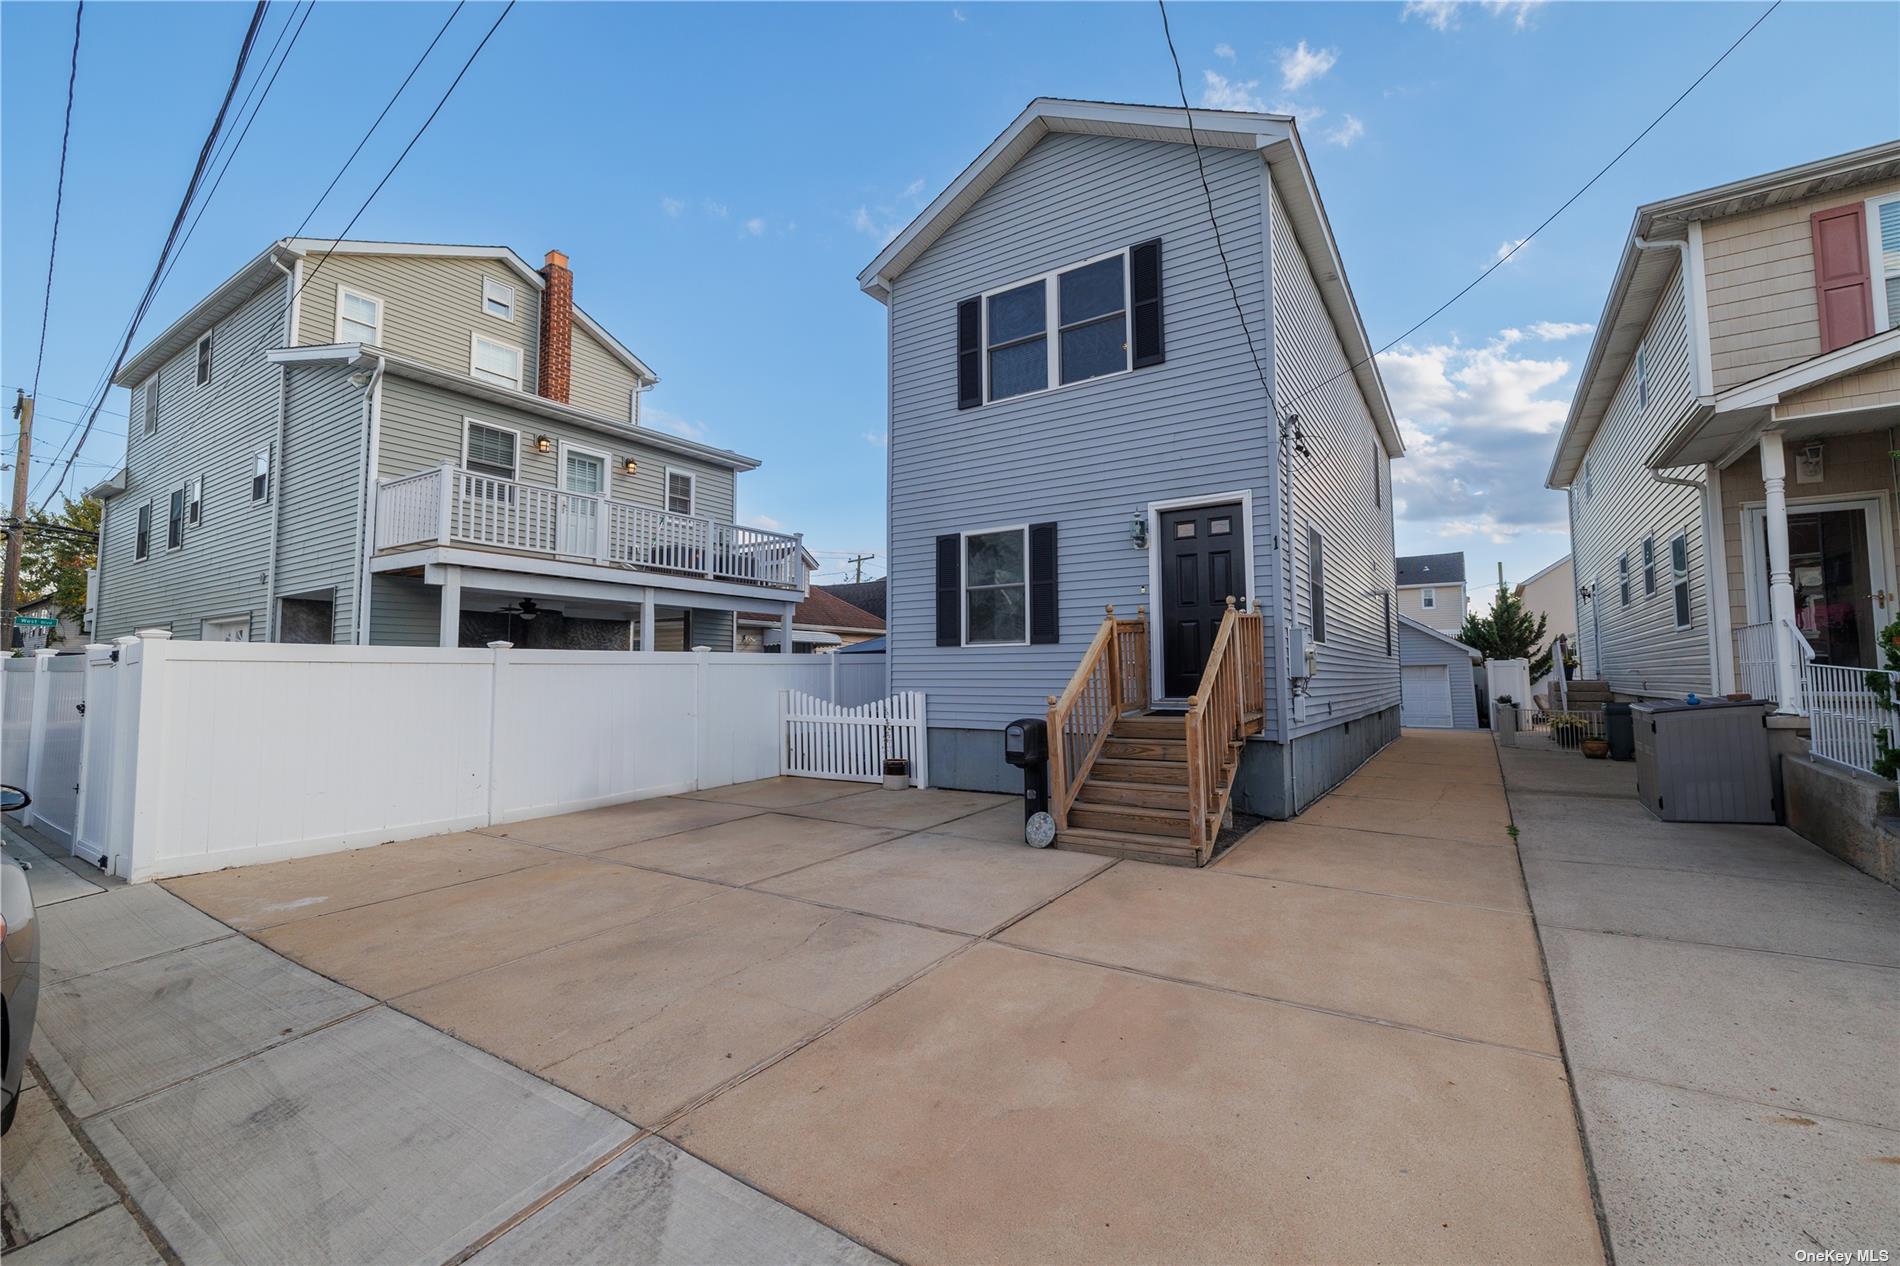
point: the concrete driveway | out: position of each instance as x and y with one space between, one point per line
808 1021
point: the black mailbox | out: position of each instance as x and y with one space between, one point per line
1026 746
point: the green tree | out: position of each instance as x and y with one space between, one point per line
1508 631
56 561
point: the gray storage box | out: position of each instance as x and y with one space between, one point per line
1704 762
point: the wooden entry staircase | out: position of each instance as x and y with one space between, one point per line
1129 782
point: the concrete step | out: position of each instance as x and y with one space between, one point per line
1143 795
1160 727
1170 773
1144 749
1134 819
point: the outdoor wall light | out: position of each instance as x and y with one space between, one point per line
1138 530
631 467
542 444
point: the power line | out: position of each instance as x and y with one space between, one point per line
59 198
184 204
114 413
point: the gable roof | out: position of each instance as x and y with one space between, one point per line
867 595
1642 275
821 609
1275 137
272 263
1418 626
1430 569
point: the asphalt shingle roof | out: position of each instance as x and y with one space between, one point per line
1432 569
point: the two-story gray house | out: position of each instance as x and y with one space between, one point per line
1096 401
418 445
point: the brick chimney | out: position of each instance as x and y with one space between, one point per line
557 328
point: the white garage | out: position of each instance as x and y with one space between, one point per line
1437 687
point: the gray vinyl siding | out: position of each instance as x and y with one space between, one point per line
1087 456
598 381
1333 490
1637 648
403 612
210 431
1422 648
431 305
421 427
321 482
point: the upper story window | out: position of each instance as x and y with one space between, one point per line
142 539
680 491
1064 327
1428 599
996 587
204 360
195 500
491 450
1649 565
1642 376
498 300
359 317
499 363
260 474
1883 231
175 519
151 405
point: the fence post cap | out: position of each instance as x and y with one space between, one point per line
126 640
98 646
155 635
501 646
45 652
702 650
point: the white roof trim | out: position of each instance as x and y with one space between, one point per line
1407 621
1274 136
1769 388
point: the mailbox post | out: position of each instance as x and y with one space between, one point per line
1026 746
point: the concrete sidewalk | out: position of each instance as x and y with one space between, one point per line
1729 1000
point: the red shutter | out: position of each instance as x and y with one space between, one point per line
1843 291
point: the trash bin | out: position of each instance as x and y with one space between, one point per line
1619 729
1704 762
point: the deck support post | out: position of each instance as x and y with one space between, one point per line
449 633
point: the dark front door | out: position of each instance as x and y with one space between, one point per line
1203 563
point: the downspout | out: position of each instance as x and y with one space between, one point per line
277 462
366 513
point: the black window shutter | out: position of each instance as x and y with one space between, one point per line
969 354
950 590
1144 280
1045 613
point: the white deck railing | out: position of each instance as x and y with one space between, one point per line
447 506
1844 714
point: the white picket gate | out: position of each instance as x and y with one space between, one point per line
823 740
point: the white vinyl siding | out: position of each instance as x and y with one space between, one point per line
433 305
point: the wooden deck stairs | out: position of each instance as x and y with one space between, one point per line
1132 783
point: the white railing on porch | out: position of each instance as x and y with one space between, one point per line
448 506
1843 714
1755 660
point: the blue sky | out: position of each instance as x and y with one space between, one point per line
719 174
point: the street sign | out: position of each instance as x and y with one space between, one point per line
36 621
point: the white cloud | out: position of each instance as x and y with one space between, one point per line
1558 331
1440 15
958 15
885 220
1349 130
765 521
1221 93
1224 51
755 226
1519 11
1509 248
1478 423
672 206
716 209
877 439
1302 65
672 423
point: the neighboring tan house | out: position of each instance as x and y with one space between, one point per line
1432 590
1552 593
1080 419
418 445
1737 405
823 622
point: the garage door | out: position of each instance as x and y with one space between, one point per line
1425 696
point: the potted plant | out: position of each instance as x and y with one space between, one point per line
1506 723
1568 729
1596 748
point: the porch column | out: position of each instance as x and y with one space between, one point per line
647 610
1774 479
449 632
785 628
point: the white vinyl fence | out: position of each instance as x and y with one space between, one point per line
825 740
194 756
1508 678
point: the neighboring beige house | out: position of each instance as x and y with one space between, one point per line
1728 458
1552 593
1431 589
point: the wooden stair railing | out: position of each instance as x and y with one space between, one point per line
1111 679
1229 705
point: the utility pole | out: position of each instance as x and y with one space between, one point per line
858 561
16 524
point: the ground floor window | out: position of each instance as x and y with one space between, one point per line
996 587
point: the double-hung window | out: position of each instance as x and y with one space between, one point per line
498 300
490 450
260 474
996 587
1316 581
1883 230
195 500
204 360
1428 599
151 405
1679 574
680 491
490 361
175 519
1089 306
142 540
1649 566
359 317
1623 578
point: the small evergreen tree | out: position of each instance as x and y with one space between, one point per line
1508 631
